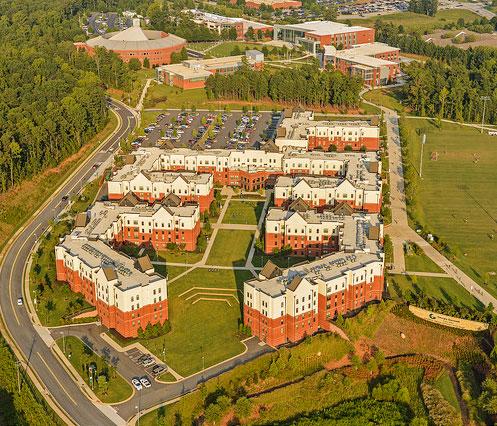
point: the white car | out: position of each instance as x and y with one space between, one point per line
19 301
145 382
136 383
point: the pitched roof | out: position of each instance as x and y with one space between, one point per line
270 270
81 220
171 200
144 264
295 283
110 273
129 200
299 205
343 209
374 233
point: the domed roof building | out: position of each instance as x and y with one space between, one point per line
134 42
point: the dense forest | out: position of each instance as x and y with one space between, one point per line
52 98
20 408
425 7
306 85
452 83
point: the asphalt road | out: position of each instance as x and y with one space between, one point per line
58 383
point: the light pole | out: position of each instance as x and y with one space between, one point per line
18 377
484 99
423 141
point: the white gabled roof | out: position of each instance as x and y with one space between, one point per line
130 34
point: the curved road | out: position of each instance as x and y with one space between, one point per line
58 384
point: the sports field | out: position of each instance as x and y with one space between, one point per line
456 200
417 22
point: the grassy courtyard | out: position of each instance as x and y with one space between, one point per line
453 200
243 212
444 289
420 263
109 386
226 48
203 332
389 98
417 22
230 248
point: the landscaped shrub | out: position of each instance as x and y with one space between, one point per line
441 413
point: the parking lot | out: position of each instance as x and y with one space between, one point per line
206 130
147 362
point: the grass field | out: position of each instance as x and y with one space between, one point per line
444 385
206 329
244 212
230 248
389 98
170 271
445 289
420 263
116 389
283 261
225 49
420 23
453 199
179 256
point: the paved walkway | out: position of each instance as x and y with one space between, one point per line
423 274
399 229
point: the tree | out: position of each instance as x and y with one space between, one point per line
146 63
103 384
213 413
134 64
488 396
243 407
50 307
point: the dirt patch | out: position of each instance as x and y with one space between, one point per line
419 338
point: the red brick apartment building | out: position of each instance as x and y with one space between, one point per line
310 233
300 130
284 306
319 192
128 295
151 186
248 169
140 224
134 42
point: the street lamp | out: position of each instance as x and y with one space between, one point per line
484 99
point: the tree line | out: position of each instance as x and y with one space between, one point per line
307 85
425 7
452 83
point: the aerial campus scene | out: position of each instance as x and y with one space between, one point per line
248 212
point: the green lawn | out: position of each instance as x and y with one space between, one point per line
167 377
444 385
115 389
453 200
283 261
179 256
226 49
170 271
444 289
201 45
417 22
389 98
81 202
206 329
55 302
230 248
420 263
244 212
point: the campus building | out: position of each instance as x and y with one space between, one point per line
130 221
127 294
135 42
218 24
299 130
151 185
311 233
248 169
273 4
193 73
314 35
376 63
284 306
363 193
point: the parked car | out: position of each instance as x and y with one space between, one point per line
158 369
136 383
148 362
145 382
